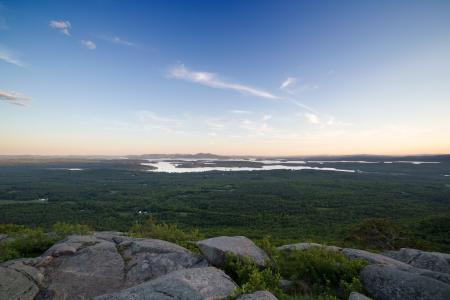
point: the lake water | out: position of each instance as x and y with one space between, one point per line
171 167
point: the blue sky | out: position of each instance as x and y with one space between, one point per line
231 77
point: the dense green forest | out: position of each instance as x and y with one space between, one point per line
290 206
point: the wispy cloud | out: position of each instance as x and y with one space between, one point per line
266 117
301 105
15 98
118 40
312 118
241 112
292 85
324 120
151 120
61 25
288 82
89 44
214 81
9 56
257 128
306 87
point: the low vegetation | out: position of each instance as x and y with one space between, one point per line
167 232
250 278
315 273
24 241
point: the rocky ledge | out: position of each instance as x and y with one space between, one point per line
109 265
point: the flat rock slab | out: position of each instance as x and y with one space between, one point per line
214 249
306 246
374 258
260 295
433 261
358 296
3 237
187 284
386 282
148 259
94 269
82 267
16 285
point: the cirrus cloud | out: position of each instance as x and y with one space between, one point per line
288 82
10 57
14 98
214 81
89 44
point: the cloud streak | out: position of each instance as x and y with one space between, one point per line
62 26
150 120
290 85
8 56
119 41
214 81
89 44
15 98
288 82
323 121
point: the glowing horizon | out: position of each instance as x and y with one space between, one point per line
225 77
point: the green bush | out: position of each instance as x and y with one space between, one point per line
63 229
30 242
319 271
26 242
12 229
249 277
380 234
167 232
267 245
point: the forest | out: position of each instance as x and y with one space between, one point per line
289 206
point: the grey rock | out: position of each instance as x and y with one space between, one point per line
358 296
3 237
16 285
111 236
70 245
374 258
25 266
387 282
433 261
305 246
82 267
444 277
214 249
260 295
285 285
187 284
95 268
149 259
298 246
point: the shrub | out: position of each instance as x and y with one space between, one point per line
26 242
166 232
64 229
250 277
379 234
323 272
12 229
267 246
30 242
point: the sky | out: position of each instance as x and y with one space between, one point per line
227 77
